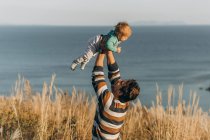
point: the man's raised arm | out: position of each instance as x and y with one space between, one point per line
114 72
98 79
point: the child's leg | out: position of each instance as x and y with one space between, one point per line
83 60
88 55
91 50
76 62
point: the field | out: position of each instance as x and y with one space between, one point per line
59 115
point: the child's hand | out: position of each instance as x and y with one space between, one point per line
118 49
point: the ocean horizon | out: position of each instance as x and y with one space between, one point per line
154 55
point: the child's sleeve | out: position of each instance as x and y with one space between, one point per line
114 73
98 81
112 44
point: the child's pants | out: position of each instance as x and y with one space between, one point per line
92 49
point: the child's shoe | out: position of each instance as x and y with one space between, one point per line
83 64
74 65
76 62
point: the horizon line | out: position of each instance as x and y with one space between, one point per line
135 25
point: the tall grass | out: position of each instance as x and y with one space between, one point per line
58 115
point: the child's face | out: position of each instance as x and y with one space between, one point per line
124 38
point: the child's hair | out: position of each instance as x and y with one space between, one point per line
123 29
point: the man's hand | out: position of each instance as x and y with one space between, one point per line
100 60
110 57
118 49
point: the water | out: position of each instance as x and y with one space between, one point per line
163 55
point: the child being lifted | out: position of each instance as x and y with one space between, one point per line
98 43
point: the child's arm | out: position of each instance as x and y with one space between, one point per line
98 79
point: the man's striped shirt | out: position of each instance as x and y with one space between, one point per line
110 112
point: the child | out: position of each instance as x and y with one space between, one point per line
110 42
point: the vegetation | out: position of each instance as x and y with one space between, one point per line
54 114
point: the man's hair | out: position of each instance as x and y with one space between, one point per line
129 90
123 29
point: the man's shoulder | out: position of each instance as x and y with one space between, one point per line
107 96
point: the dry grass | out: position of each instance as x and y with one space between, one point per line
58 115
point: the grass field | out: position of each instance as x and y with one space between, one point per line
58 115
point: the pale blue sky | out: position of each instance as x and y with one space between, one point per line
103 12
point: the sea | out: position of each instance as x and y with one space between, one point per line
156 56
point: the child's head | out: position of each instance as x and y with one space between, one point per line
123 31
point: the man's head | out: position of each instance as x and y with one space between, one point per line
126 90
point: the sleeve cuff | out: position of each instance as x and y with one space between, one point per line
113 67
98 68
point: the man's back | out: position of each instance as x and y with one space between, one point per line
110 112
109 117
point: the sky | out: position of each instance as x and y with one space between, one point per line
103 12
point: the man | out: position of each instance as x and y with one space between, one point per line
112 105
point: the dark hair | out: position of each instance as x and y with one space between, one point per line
130 90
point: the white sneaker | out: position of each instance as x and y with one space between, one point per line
73 65
83 64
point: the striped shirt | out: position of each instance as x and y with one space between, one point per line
110 112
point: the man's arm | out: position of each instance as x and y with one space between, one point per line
114 72
100 60
98 79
